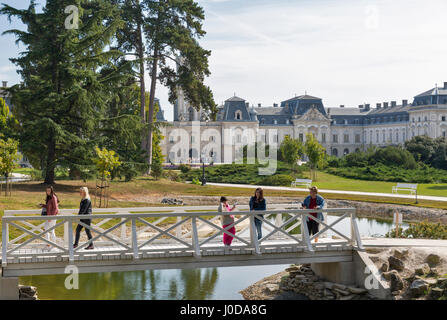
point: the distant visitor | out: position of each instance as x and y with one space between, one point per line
314 201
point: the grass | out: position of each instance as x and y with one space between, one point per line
27 195
26 171
332 182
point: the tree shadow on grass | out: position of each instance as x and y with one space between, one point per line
441 188
65 187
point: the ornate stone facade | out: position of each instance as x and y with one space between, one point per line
340 130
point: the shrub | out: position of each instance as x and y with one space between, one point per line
196 181
172 176
421 230
36 175
278 180
184 168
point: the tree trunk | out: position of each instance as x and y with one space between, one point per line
140 52
51 158
152 107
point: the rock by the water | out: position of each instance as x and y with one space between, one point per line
433 259
272 287
328 285
396 282
431 281
401 254
385 267
357 290
170 201
396 263
424 269
436 293
339 286
418 288
341 292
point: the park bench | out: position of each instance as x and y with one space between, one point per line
405 187
305 182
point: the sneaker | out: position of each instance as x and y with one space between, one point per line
75 246
90 247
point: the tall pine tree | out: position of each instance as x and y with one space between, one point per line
62 97
172 29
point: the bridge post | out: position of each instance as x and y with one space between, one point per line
69 227
254 235
5 236
278 222
305 233
134 239
195 238
123 230
178 230
355 234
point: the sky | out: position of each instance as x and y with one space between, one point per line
347 52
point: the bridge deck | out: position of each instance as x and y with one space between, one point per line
39 253
170 256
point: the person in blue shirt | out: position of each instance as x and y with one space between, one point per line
314 201
258 203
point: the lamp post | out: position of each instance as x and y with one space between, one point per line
202 159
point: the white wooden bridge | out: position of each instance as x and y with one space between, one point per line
128 239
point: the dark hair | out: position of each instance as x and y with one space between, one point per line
51 196
223 199
261 192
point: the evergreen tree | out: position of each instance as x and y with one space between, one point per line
130 40
175 58
62 96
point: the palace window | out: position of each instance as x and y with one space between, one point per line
357 138
346 138
335 138
238 115
301 137
171 139
323 137
443 119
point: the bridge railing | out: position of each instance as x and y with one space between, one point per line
136 231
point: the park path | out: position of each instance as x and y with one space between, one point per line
359 193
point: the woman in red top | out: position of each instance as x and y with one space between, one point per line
52 207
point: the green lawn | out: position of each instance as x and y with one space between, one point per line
332 182
26 171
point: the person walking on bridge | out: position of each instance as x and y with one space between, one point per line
227 220
314 201
258 203
84 209
50 208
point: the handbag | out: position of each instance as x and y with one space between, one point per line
44 212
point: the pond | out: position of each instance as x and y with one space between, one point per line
193 284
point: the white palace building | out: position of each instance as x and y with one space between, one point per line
341 130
